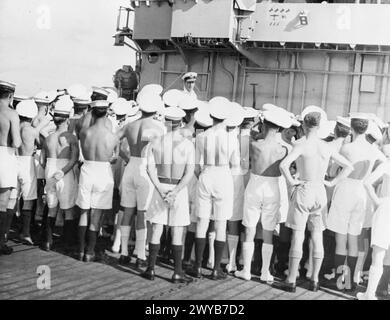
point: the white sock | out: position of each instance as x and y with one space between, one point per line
309 262
359 266
211 249
266 253
140 244
232 241
373 280
247 253
117 239
125 233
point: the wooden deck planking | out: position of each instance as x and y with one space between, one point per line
72 279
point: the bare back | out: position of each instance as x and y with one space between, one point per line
30 136
266 157
87 121
98 142
172 153
58 145
314 159
139 133
363 156
9 125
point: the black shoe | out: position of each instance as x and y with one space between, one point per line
89 258
46 246
218 275
5 250
124 260
148 274
195 272
314 286
286 286
181 278
139 263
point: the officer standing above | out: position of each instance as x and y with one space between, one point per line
189 80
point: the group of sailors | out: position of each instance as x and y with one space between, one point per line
205 183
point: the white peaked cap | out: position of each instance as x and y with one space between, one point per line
174 113
360 116
120 106
172 97
27 108
63 105
202 105
250 112
151 88
219 107
202 117
150 103
76 90
188 103
278 117
374 131
132 108
45 97
100 104
112 94
344 121
235 115
310 109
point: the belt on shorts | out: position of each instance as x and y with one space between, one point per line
168 180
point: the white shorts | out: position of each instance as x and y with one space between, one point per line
192 188
348 208
27 179
215 193
63 192
238 197
369 214
39 169
284 196
176 216
380 233
96 186
262 202
8 168
136 186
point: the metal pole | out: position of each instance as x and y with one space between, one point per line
325 82
291 82
381 109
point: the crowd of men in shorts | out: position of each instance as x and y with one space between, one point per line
205 184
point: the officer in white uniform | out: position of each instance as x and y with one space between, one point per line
189 80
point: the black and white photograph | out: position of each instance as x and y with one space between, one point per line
202 152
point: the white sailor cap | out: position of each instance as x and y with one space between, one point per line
360 116
172 97
99 93
27 108
132 108
374 131
123 107
250 112
151 88
202 117
326 128
202 105
219 107
150 103
278 117
82 102
190 76
310 109
174 113
19 97
112 94
63 106
344 121
188 103
7 86
235 115
45 97
76 90
100 104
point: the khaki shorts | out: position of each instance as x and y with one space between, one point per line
308 201
27 179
